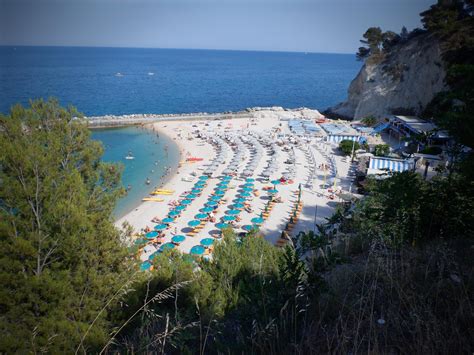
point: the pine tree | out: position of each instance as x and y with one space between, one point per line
61 258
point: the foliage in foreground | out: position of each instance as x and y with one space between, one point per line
61 258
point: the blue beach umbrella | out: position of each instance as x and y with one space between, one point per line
174 213
223 183
194 223
227 177
167 246
151 235
207 209
180 207
247 189
207 242
201 216
275 182
186 202
219 193
140 241
200 183
239 200
146 265
215 198
257 220
221 225
178 239
249 227
244 194
191 196
211 203
203 177
160 227
272 191
250 180
154 255
167 220
249 184
196 191
218 190
233 212
228 218
197 250
238 205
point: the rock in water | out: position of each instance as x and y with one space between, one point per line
405 81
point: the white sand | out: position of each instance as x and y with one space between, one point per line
264 123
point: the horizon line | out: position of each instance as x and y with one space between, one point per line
174 48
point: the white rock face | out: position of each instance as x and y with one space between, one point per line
408 79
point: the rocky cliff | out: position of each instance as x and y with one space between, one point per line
405 81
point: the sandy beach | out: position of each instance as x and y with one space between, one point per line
263 143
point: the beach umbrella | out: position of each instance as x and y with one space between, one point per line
153 256
211 203
200 183
219 193
272 191
250 180
197 250
178 239
191 196
167 220
201 216
223 183
244 194
186 202
221 225
239 200
228 218
249 227
249 184
233 212
140 241
257 220
167 246
173 213
247 189
194 223
203 177
207 209
196 190
151 235
146 265
207 242
215 198
227 177
180 208
238 205
160 227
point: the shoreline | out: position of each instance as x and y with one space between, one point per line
265 128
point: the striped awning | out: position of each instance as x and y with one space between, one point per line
397 165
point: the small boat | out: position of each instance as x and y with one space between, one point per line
129 156
148 181
118 74
151 73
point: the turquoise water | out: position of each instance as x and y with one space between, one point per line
151 160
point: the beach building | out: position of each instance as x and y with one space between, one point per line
382 165
337 132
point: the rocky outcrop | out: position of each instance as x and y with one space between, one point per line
404 82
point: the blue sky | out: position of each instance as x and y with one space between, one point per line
282 25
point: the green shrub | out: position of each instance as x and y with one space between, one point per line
346 146
382 150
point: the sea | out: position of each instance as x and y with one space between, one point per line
100 81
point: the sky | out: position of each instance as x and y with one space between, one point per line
332 26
